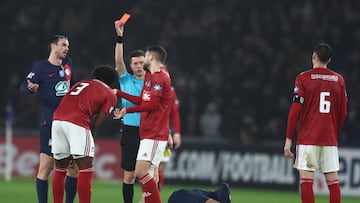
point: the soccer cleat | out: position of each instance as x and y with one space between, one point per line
224 193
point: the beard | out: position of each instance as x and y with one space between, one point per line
146 66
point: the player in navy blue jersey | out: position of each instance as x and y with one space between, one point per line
221 195
51 78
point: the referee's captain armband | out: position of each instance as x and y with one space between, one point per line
298 99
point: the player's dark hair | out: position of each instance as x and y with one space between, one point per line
136 53
54 40
323 51
159 53
106 74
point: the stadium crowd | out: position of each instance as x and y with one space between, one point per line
233 62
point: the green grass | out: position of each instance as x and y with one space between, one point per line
23 190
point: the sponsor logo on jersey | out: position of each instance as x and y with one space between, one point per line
157 87
51 75
146 96
61 88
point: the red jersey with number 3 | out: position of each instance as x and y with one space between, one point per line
85 99
324 108
154 124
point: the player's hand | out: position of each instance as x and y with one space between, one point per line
170 142
119 113
287 149
177 140
119 27
114 91
33 87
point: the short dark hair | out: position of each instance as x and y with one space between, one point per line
54 40
106 74
136 53
323 51
160 53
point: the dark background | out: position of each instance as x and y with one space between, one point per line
238 58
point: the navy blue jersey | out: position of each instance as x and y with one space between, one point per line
54 82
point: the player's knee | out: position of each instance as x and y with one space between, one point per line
73 172
129 177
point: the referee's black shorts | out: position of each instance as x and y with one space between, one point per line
130 141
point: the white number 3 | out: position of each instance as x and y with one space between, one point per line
324 106
80 88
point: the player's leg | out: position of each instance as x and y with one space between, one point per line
161 169
86 170
82 148
58 183
150 153
46 164
330 166
306 185
306 162
61 152
130 141
71 182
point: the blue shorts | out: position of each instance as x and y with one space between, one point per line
45 135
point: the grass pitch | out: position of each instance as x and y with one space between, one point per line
23 190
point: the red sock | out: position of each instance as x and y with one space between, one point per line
334 189
307 193
150 189
161 179
84 184
58 185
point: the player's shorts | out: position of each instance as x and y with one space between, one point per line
45 139
151 150
317 158
69 139
130 141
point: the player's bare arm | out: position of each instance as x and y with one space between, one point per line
98 120
119 49
287 149
177 140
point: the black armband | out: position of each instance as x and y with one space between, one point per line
298 99
119 39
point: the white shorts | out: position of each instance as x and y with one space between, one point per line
70 139
151 150
324 159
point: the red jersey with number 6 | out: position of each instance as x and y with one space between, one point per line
85 99
324 106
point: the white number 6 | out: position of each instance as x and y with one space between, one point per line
324 106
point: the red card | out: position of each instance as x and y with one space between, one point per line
124 18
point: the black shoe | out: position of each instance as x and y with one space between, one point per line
224 193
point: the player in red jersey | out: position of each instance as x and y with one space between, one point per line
76 122
320 103
175 139
154 103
